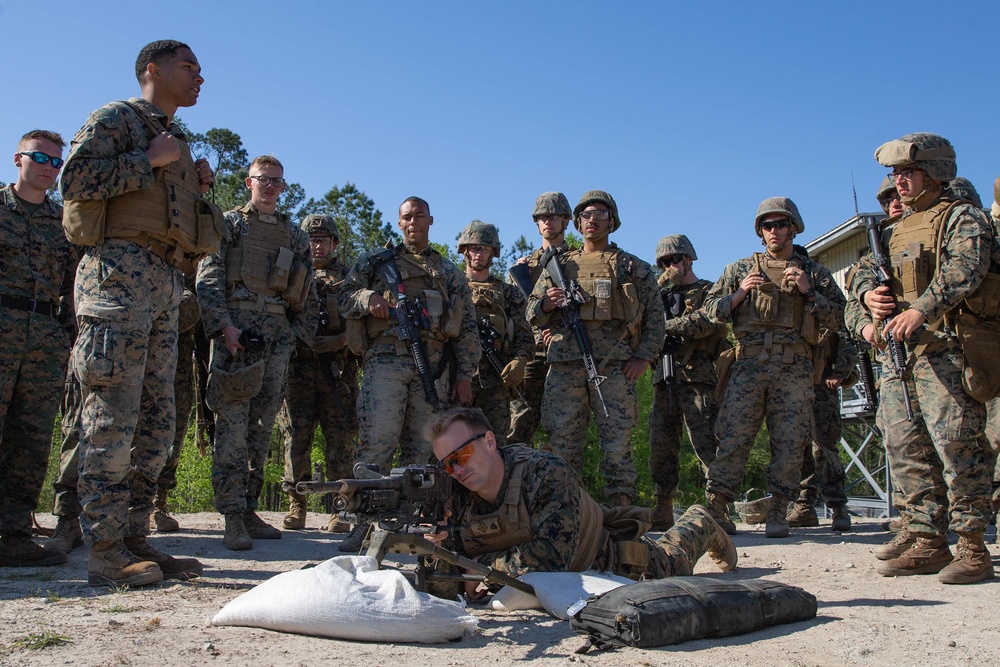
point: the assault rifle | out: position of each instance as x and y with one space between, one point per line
327 364
488 334
867 374
570 310
411 316
896 348
673 306
407 497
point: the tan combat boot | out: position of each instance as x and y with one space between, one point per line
172 568
296 517
927 555
718 507
162 521
841 518
720 549
21 551
663 513
777 523
971 563
236 537
67 536
259 529
898 545
337 525
112 564
802 515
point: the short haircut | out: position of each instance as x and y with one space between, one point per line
156 52
474 418
265 161
47 135
417 200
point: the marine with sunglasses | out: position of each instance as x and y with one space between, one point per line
37 265
526 511
777 302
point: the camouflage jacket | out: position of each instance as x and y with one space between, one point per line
36 260
697 331
828 306
107 157
214 293
520 345
328 276
534 264
360 284
609 338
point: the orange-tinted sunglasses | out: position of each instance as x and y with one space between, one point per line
461 455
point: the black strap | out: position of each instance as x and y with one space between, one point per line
46 308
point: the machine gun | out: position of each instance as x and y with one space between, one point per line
416 495
896 348
411 316
673 306
488 335
570 310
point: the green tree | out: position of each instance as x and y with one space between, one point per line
360 224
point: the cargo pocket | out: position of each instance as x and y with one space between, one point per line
97 355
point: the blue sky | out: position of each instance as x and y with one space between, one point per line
689 114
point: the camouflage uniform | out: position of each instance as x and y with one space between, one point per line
125 353
767 381
551 492
392 407
310 400
36 324
569 398
245 391
526 415
694 401
66 503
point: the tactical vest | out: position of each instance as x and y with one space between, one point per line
263 259
425 282
328 281
489 300
172 211
709 344
510 525
777 304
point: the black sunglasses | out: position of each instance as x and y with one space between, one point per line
43 158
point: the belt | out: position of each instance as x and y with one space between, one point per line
172 255
46 308
274 308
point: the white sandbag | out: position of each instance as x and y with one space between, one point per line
348 597
556 591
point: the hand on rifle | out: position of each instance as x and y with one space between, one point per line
904 325
513 373
554 297
378 307
880 303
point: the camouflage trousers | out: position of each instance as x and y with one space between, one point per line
125 357
243 425
941 461
392 410
526 415
33 353
694 407
781 394
184 402
311 401
822 470
494 401
993 438
566 407
67 502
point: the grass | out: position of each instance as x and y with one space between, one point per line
37 641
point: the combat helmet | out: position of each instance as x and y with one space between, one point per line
675 244
885 193
321 224
597 197
782 205
931 153
962 188
479 233
551 203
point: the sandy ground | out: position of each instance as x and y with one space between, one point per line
863 619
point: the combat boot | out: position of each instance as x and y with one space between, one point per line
927 555
112 564
619 500
67 536
20 551
162 521
802 515
777 523
971 563
898 545
337 525
841 518
296 517
172 568
718 507
663 513
720 548
353 542
236 537
895 524
259 529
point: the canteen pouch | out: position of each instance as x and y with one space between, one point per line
678 609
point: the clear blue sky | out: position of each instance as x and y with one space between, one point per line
689 114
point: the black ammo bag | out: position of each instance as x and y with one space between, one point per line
679 609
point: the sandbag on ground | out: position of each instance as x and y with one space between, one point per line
348 597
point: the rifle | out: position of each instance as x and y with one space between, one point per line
896 348
416 494
487 335
411 316
673 306
867 377
570 310
327 363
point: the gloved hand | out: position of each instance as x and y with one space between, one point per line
326 344
513 373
